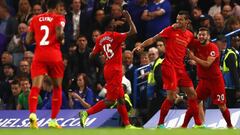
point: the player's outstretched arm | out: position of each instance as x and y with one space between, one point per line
146 43
132 29
29 38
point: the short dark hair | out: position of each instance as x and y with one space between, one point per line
197 8
24 78
51 4
185 13
203 29
15 82
107 21
82 36
9 65
6 52
36 3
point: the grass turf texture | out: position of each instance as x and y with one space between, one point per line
119 131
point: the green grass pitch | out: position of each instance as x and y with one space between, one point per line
119 131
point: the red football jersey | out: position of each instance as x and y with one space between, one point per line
47 46
203 52
111 44
176 44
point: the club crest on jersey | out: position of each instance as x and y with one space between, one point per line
212 53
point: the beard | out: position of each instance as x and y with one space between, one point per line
203 42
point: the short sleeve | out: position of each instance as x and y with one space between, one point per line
165 33
60 21
214 51
121 37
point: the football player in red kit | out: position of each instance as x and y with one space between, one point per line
110 43
211 83
47 31
174 74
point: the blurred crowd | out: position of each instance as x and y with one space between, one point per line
83 82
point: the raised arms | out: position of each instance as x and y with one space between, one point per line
132 29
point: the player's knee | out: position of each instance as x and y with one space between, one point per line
109 103
222 107
171 96
121 101
192 95
57 82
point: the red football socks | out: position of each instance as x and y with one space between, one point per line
193 105
167 104
56 101
187 118
123 113
33 99
226 115
97 108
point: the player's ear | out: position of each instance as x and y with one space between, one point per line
197 35
209 37
189 22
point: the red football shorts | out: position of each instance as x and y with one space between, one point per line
113 85
53 69
214 88
175 77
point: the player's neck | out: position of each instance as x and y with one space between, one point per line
204 44
207 43
183 29
51 10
